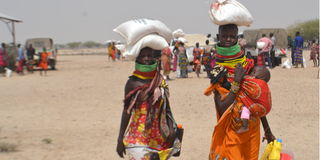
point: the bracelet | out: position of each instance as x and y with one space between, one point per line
235 86
235 83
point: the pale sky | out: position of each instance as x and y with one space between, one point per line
83 20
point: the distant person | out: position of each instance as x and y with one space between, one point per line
20 59
291 46
118 53
272 50
314 53
242 42
175 56
183 61
44 61
197 52
30 56
265 51
166 62
298 50
3 57
207 57
112 51
30 52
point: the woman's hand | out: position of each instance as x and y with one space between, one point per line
121 150
239 73
268 136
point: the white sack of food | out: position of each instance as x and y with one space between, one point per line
183 40
260 45
286 64
133 30
153 41
230 12
178 33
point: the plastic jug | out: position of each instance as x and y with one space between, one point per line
276 150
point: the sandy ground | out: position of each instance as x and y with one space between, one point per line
78 108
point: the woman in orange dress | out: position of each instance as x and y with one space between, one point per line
44 61
234 88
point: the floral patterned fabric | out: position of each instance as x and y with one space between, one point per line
141 142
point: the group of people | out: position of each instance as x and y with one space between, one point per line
24 58
242 99
177 59
297 47
113 52
203 56
267 51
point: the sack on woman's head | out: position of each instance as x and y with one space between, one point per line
230 12
153 41
132 31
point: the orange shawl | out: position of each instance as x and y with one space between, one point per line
226 143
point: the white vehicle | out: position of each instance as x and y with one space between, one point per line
38 44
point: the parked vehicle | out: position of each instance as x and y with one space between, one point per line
38 44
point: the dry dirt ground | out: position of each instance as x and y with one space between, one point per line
74 112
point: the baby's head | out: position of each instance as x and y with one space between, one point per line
261 72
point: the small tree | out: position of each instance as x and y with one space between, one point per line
74 45
91 44
308 29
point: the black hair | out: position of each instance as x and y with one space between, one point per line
145 48
207 42
297 33
228 26
263 35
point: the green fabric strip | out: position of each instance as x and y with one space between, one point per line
146 68
228 51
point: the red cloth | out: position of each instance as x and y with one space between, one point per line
255 94
20 66
145 75
260 60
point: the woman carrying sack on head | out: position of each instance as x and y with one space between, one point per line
235 89
148 130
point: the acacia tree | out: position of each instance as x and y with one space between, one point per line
91 44
74 45
308 29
